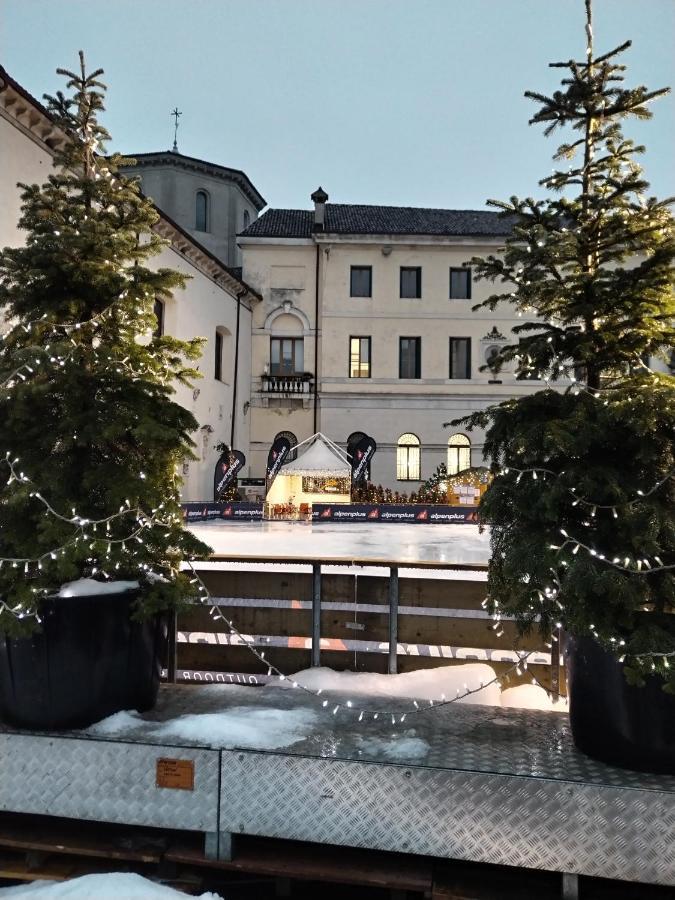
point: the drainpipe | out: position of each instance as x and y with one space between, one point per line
316 341
236 369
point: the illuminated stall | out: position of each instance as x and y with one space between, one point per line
321 473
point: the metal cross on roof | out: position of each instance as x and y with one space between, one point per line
175 113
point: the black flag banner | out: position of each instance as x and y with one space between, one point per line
228 465
275 459
362 454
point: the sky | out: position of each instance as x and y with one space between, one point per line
399 102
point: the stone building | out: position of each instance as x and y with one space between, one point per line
216 304
366 325
211 202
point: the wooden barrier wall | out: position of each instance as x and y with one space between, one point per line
440 622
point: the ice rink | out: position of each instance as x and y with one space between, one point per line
400 543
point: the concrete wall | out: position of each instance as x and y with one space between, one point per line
24 159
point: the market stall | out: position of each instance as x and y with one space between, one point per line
321 473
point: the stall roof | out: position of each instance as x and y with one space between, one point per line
320 458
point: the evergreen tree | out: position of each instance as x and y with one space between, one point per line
581 516
90 437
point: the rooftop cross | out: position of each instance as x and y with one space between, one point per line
176 112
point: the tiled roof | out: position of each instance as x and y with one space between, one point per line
343 218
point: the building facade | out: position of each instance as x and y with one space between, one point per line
211 202
366 326
215 304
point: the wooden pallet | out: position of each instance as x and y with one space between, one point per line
42 847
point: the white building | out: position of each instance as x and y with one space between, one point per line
216 304
366 325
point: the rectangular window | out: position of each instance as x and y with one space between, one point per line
359 357
411 281
361 281
460 357
287 356
219 357
460 284
410 357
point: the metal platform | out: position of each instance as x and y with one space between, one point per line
475 783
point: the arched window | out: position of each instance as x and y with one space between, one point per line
202 211
159 316
352 441
408 453
459 453
247 219
291 438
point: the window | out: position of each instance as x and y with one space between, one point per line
292 440
411 281
202 211
459 453
409 357
460 284
361 281
408 458
247 219
159 316
460 358
287 356
359 357
219 357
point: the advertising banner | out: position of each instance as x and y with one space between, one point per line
226 471
362 454
236 511
275 459
431 514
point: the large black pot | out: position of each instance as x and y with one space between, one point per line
613 721
87 661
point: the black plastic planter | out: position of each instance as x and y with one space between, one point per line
89 660
613 721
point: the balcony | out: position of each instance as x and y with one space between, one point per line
287 385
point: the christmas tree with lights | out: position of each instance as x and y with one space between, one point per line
90 436
581 510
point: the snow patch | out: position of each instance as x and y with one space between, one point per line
112 886
531 696
117 723
246 727
396 748
86 587
424 684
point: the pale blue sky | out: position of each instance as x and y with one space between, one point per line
404 102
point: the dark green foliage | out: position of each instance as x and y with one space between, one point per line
85 389
594 260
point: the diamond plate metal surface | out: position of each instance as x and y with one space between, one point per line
104 781
535 823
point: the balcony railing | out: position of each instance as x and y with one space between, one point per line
287 384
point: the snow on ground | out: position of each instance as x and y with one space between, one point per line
424 684
398 748
88 587
401 542
244 727
112 886
429 684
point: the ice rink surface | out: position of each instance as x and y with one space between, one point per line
331 541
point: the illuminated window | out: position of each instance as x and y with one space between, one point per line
359 357
459 453
408 453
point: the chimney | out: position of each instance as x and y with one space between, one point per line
319 197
